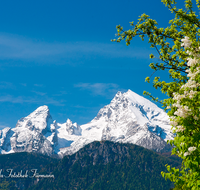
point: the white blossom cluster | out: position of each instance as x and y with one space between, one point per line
184 111
195 117
191 84
178 97
180 128
192 93
192 74
186 42
173 121
192 62
190 150
189 92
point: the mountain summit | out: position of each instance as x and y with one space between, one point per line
129 118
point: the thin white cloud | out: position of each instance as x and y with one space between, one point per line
6 85
17 47
23 84
39 93
102 89
60 93
39 85
3 126
21 100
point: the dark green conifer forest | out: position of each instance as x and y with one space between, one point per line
99 165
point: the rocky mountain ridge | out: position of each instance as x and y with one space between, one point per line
98 165
129 118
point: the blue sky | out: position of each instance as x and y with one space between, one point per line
60 54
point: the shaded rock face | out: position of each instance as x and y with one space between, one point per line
155 143
73 129
32 143
129 118
5 135
103 152
28 135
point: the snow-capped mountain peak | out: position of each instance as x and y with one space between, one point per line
128 118
137 99
39 119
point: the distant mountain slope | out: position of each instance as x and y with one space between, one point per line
107 165
129 118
